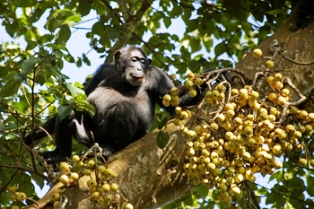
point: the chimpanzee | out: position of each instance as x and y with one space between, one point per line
124 94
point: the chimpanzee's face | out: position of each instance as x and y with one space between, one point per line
134 64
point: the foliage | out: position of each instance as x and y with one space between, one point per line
216 34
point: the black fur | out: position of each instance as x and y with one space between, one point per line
124 94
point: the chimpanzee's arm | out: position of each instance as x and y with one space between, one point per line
158 83
161 84
99 76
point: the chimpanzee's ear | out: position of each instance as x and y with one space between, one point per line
149 61
117 55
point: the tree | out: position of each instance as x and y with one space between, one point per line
199 165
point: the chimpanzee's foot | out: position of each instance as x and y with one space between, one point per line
107 150
53 157
28 139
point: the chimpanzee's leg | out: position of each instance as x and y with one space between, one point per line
118 128
39 133
63 140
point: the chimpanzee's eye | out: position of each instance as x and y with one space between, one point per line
133 59
143 60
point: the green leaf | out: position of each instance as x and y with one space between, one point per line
24 3
84 7
167 22
74 90
63 35
64 110
220 49
310 181
31 45
72 20
98 28
275 11
29 64
45 38
10 88
201 191
162 139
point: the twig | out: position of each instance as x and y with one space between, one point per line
296 62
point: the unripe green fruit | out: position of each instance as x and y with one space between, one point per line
80 164
20 196
96 195
285 92
269 64
192 93
175 99
281 100
108 197
74 176
277 164
189 84
190 152
190 75
254 94
277 149
257 53
87 171
223 187
64 166
166 103
178 110
234 92
172 76
248 131
297 134
220 87
198 129
221 117
56 204
215 94
235 189
13 197
278 76
209 94
184 115
12 189
114 187
205 152
302 114
303 162
167 98
238 177
128 206
191 134
15 207
198 81
206 160
75 158
91 163
91 183
64 179
106 187
56 196
101 169
174 91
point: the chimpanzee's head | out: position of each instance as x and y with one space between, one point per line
133 64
